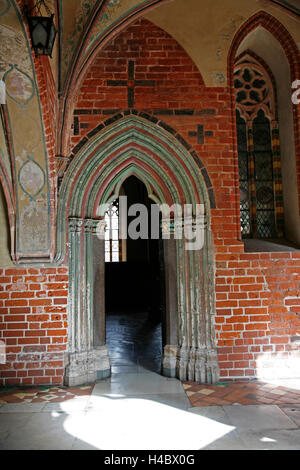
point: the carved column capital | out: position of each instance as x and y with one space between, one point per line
176 227
75 224
92 225
167 227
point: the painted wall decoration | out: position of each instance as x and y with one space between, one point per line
32 219
19 85
12 45
114 10
4 6
30 159
31 178
72 30
225 36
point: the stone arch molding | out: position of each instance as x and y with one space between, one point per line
136 146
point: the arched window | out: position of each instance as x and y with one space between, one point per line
112 242
261 200
115 248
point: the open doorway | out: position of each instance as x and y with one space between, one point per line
134 290
136 146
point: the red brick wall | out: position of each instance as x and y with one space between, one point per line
258 314
257 294
179 98
33 324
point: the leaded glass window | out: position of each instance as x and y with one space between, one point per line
243 176
264 181
115 249
256 122
112 248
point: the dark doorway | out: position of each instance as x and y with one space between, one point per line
135 292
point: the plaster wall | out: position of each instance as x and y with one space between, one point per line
206 29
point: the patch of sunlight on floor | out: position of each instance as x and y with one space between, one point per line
267 439
141 424
292 384
281 371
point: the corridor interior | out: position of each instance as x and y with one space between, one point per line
134 291
134 341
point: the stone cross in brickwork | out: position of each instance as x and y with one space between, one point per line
131 83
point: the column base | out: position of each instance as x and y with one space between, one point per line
198 365
87 367
169 362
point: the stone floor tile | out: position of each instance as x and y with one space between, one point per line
22 407
67 406
284 439
293 412
259 417
43 431
230 441
216 413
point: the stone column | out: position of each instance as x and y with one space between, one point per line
75 230
95 261
78 370
88 354
197 357
171 319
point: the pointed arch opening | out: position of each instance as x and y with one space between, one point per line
134 281
134 146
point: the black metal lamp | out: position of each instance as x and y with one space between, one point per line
42 29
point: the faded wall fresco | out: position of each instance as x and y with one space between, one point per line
75 15
206 29
115 9
27 134
74 24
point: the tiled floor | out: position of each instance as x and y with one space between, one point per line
241 393
237 393
135 345
43 394
137 408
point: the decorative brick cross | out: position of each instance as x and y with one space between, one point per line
200 134
131 83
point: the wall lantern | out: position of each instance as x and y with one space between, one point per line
42 29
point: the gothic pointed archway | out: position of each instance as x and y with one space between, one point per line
132 145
